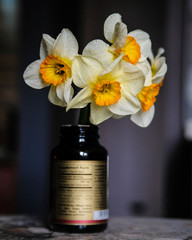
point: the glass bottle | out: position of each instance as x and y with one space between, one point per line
79 181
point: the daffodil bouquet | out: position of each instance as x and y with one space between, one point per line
115 79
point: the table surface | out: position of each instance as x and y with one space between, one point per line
28 227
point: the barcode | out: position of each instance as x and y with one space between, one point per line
102 214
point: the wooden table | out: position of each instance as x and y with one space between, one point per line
28 227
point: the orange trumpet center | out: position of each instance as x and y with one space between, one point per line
107 92
54 70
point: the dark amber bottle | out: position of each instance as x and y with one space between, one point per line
79 181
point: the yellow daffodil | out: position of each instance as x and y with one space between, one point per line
149 92
54 67
132 47
112 91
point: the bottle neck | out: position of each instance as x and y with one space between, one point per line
79 133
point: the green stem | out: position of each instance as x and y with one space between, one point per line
84 115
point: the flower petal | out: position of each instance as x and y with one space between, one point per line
68 90
109 26
65 90
85 70
157 78
120 35
145 67
160 52
66 45
125 106
144 41
81 99
143 119
99 50
133 79
99 114
60 91
117 116
46 46
43 50
132 87
32 75
53 98
113 66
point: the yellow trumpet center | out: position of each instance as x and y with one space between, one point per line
131 50
107 92
147 95
54 70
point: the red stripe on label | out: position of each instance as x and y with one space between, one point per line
81 222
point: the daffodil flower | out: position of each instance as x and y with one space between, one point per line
111 92
149 92
132 47
54 67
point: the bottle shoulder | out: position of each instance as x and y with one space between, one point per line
81 151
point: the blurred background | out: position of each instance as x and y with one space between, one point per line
150 169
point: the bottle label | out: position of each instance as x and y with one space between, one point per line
79 192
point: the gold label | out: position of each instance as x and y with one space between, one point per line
80 192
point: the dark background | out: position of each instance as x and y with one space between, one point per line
150 169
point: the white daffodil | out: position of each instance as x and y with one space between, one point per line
147 95
132 47
54 67
111 92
